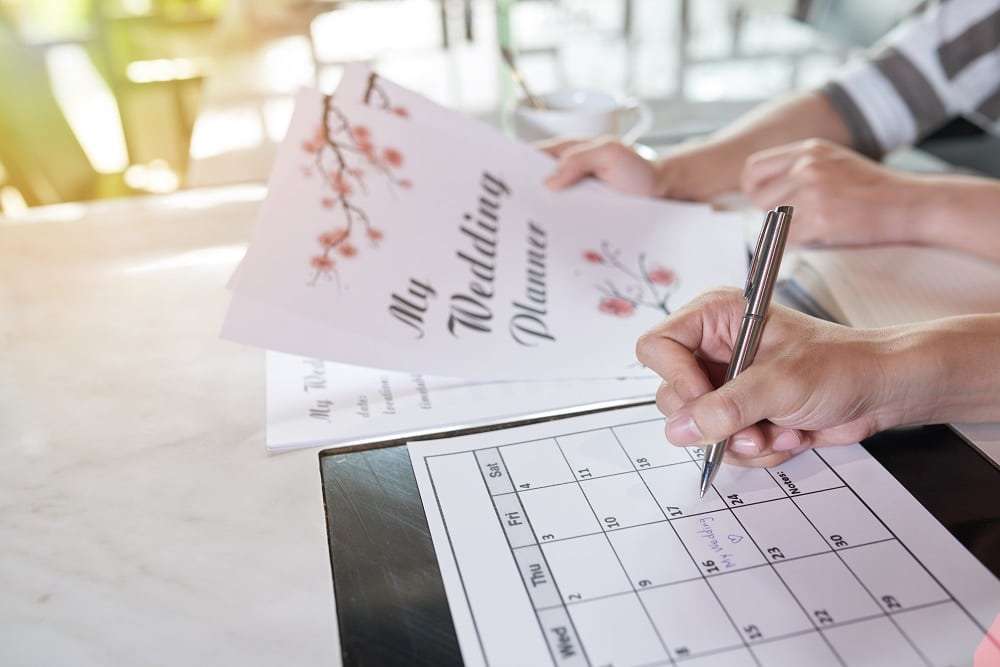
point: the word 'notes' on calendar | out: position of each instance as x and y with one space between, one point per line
401 235
583 542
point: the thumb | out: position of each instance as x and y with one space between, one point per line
750 397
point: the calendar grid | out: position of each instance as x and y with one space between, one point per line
517 497
704 577
555 583
770 563
912 555
620 564
874 598
496 511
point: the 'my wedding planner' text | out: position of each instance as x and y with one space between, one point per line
471 309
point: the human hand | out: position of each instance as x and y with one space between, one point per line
605 158
840 197
812 383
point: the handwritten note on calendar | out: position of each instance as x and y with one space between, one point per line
583 542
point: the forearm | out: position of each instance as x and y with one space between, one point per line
946 370
802 116
958 212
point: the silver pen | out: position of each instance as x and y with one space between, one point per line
761 278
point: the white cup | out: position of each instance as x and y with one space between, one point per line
581 113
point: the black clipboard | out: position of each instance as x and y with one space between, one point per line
390 600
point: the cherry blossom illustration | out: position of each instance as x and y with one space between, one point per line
629 288
344 156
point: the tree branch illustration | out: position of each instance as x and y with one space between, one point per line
342 154
643 286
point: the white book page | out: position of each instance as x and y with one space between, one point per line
883 286
311 402
399 234
582 541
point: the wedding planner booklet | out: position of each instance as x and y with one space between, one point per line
583 542
401 235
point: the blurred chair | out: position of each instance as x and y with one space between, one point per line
42 156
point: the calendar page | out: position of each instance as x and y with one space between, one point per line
583 542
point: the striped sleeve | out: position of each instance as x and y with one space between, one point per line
942 63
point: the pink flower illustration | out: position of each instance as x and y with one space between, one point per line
392 156
361 134
401 112
332 238
375 235
593 257
321 263
347 250
661 276
617 306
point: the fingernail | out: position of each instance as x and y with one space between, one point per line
787 441
744 446
682 430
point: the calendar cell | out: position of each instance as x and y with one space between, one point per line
829 591
646 445
743 486
617 631
809 649
536 576
621 501
944 633
653 555
737 657
893 576
841 518
585 568
494 471
805 473
690 619
535 464
718 543
514 520
760 604
676 490
594 454
561 637
873 642
558 512
780 530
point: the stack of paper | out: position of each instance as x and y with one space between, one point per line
400 236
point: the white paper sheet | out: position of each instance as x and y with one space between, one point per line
312 402
582 542
406 236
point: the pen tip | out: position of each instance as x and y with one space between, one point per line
706 479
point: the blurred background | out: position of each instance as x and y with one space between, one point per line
108 98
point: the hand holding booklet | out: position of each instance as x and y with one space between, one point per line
420 251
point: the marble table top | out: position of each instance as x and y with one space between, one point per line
141 521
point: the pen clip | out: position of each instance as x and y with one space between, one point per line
754 274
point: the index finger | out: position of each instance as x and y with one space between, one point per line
557 147
768 164
669 349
